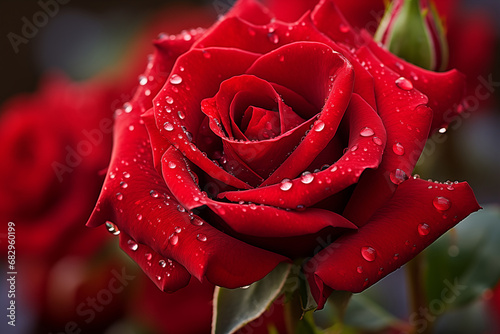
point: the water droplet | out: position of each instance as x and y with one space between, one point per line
206 54
443 130
404 83
181 114
149 256
423 229
359 270
281 58
319 125
171 165
344 28
126 175
180 208
119 196
201 237
273 37
366 132
132 245
175 79
441 203
123 184
162 263
131 128
167 126
139 216
153 193
395 256
169 100
174 240
112 228
377 141
354 148
306 178
398 149
286 184
397 176
127 107
142 80
368 253
399 66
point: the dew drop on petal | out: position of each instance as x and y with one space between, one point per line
395 256
201 237
162 263
174 240
153 193
181 114
443 130
132 245
359 269
404 83
366 132
286 184
206 54
139 216
167 126
306 178
149 256
368 253
112 228
441 203
143 80
423 229
119 196
344 28
377 141
319 125
171 165
175 79
123 184
127 107
273 37
398 149
397 176
169 100
126 175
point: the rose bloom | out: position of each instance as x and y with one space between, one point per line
257 142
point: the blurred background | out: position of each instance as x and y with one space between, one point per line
106 43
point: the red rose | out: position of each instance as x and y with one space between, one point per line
258 141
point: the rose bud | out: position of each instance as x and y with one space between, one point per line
413 30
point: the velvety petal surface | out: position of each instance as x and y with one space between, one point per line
418 213
178 106
137 201
327 83
308 189
246 218
407 120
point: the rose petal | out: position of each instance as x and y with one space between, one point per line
251 11
166 274
395 234
329 78
248 219
407 121
172 104
137 200
309 189
445 90
329 20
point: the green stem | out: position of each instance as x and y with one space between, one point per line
416 291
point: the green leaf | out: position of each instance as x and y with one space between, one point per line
234 308
465 262
363 313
